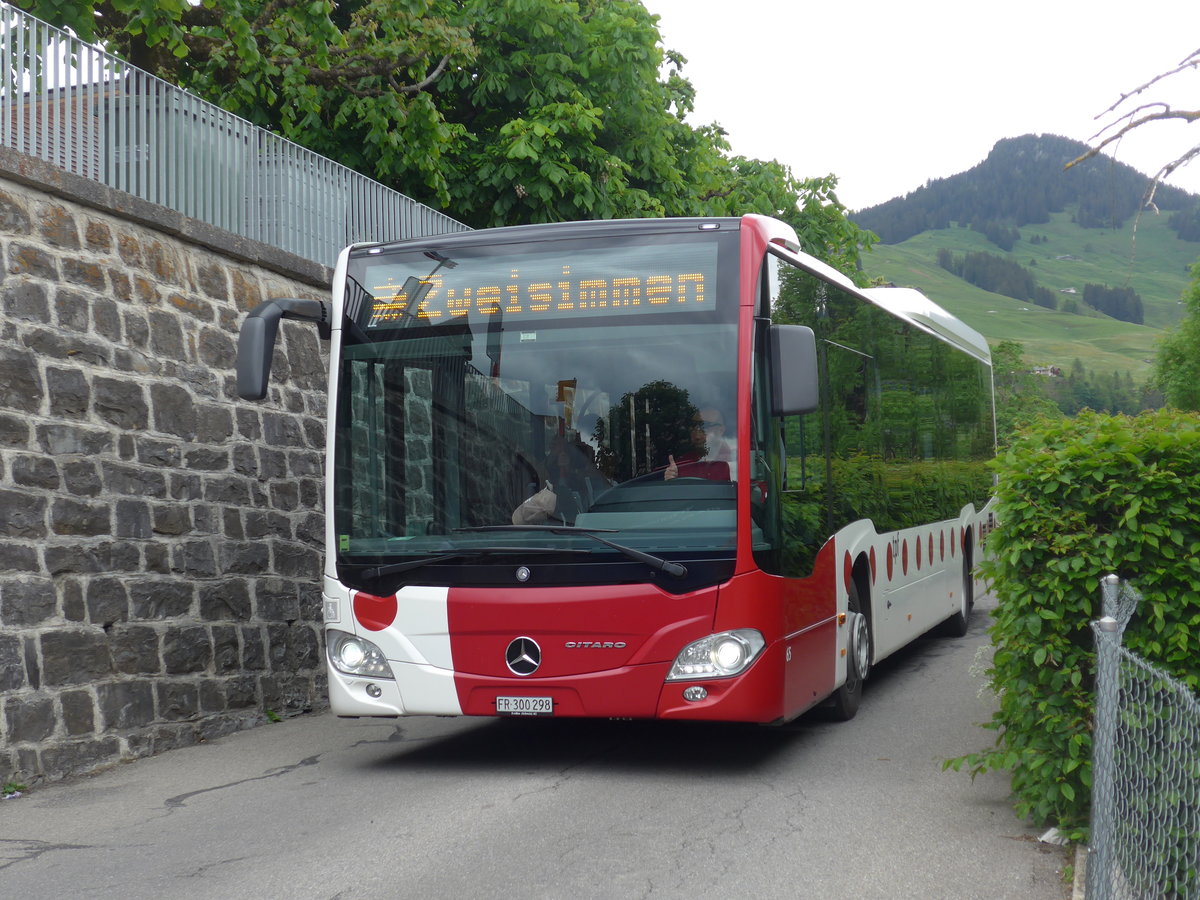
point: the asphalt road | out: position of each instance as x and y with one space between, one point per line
317 807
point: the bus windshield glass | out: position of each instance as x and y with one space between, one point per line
574 384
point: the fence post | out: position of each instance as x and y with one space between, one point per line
1108 639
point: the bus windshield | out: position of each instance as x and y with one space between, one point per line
572 384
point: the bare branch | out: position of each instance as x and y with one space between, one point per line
1164 114
1191 61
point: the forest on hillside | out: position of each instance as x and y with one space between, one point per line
1022 181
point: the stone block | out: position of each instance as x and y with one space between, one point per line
33 666
132 519
24 515
75 656
78 757
171 519
82 477
125 704
98 236
177 700
226 649
254 648
74 440
26 300
161 598
241 692
187 650
58 227
212 696
226 599
107 319
14 214
214 424
71 309
107 601
12 663
29 718
133 481
66 346
281 430
19 374
207 459
27 602
244 558
30 259
121 403
14 431
92 558
19 557
166 335
70 395
80 517
79 713
174 410
35 471
151 452
135 650
295 560
195 559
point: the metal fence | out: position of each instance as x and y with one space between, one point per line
1145 828
89 113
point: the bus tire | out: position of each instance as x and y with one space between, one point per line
859 652
958 624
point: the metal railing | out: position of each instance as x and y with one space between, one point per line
1145 826
88 112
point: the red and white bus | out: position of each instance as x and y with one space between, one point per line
575 470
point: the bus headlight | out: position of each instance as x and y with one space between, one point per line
356 656
718 655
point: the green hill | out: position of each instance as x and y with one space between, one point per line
1155 263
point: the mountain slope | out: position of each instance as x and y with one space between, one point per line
1143 253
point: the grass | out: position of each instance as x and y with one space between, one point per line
1154 263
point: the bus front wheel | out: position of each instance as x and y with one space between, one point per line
858 659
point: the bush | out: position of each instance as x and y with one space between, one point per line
1076 500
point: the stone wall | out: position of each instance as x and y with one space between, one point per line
160 540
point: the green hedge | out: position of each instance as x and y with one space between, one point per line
1076 500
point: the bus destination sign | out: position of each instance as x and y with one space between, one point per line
590 282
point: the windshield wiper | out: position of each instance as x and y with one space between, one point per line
678 570
374 572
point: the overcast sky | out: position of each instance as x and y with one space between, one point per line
888 94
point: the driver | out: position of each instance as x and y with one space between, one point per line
712 454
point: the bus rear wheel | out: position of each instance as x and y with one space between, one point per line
858 659
957 624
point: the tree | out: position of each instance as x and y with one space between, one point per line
1020 395
498 111
1177 363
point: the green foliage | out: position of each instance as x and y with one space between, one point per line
1177 365
1020 395
501 112
1076 500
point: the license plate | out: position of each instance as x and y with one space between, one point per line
524 706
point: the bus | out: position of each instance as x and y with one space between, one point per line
587 470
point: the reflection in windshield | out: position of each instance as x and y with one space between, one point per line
451 428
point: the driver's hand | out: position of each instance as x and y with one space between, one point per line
672 470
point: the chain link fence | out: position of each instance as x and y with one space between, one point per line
1145 829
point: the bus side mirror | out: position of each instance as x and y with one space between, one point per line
256 340
794 388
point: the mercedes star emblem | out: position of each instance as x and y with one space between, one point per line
523 656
